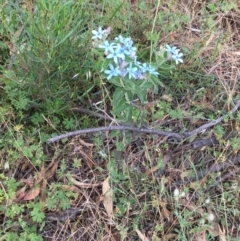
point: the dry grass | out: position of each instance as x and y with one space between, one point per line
149 169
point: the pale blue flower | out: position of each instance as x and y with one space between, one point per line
98 34
106 46
123 53
144 67
120 38
127 45
177 57
132 54
174 54
148 68
137 63
125 41
124 50
113 71
122 64
152 71
123 72
132 71
140 74
170 49
114 54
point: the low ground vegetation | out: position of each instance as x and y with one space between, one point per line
164 164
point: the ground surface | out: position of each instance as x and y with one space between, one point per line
120 185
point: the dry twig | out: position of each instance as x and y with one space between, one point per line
146 130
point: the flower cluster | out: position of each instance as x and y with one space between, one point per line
122 53
174 54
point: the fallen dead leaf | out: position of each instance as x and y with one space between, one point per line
107 198
28 181
42 182
43 187
83 184
168 98
237 52
172 36
222 235
32 194
216 231
70 188
25 165
84 143
141 235
115 237
170 236
165 212
52 167
201 236
19 195
150 171
86 154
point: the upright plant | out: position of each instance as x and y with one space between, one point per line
131 77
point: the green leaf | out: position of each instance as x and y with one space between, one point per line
146 85
69 123
34 237
118 94
122 105
37 118
142 96
37 214
11 236
128 97
130 86
118 82
176 113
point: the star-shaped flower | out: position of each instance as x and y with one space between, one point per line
174 54
113 71
106 46
152 71
115 53
170 49
98 34
177 57
132 71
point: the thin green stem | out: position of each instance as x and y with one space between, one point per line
153 26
